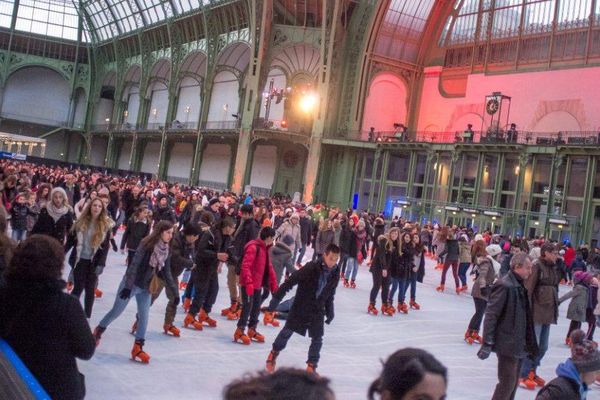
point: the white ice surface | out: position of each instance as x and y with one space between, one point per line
198 365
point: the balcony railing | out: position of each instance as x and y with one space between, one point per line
221 186
220 125
503 137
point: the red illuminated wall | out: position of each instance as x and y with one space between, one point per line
385 103
565 100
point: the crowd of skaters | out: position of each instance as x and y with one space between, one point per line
174 231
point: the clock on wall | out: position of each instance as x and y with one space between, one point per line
492 106
290 159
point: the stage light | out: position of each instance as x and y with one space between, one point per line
284 123
308 102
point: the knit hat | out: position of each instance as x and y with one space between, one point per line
295 215
582 276
493 250
213 201
584 352
478 237
103 191
288 240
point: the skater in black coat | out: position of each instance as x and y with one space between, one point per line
214 247
45 326
313 305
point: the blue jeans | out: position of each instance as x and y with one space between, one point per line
462 272
18 234
351 268
412 282
542 332
399 284
143 299
301 255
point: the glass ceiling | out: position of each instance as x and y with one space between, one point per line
401 32
103 19
474 20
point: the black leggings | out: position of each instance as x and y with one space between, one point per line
379 282
85 278
480 306
250 308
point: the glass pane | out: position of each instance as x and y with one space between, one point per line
420 171
398 167
490 168
541 175
511 174
576 181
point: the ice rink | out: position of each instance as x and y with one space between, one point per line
199 364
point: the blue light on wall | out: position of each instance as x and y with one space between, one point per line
355 201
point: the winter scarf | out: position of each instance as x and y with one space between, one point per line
57 212
159 255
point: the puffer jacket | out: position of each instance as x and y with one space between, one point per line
486 276
287 228
254 265
134 233
280 255
381 257
579 296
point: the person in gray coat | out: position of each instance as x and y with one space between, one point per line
281 254
580 301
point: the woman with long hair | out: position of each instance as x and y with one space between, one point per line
349 248
381 278
410 374
42 196
84 202
152 259
91 232
394 249
402 270
451 255
485 266
325 236
417 271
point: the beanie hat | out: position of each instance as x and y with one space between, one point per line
582 276
295 215
288 240
584 352
493 250
478 237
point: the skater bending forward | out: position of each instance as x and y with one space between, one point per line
313 305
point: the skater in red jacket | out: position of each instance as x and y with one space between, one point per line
256 273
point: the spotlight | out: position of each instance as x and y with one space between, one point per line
284 124
308 101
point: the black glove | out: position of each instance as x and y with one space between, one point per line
273 304
176 300
485 291
484 352
125 293
329 318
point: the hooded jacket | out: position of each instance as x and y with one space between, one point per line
567 384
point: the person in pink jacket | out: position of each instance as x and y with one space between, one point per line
256 273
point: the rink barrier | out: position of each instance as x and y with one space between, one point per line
17 382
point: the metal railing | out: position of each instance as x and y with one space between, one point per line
260 191
220 125
220 186
176 125
502 137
